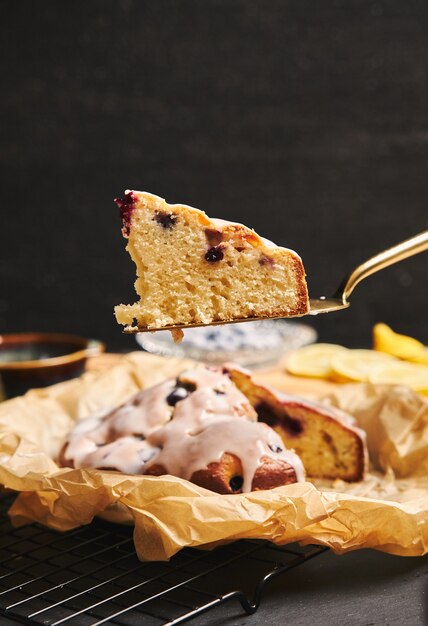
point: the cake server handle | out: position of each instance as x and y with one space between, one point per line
399 252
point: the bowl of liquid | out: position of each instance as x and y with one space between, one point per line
30 360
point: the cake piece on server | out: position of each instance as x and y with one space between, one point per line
326 439
192 269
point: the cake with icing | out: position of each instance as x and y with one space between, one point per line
198 426
193 269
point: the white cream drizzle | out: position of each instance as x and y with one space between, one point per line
213 419
140 415
126 454
183 453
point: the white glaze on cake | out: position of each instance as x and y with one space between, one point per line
204 441
126 454
214 418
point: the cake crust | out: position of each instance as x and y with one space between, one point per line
225 476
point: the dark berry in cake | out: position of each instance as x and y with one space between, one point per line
292 424
266 260
126 206
214 237
236 482
180 392
166 220
214 254
266 414
177 394
275 448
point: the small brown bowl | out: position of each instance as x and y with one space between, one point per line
40 359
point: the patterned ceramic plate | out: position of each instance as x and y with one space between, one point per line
252 344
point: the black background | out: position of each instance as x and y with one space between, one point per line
306 120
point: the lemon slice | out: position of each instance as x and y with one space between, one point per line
314 360
398 373
358 365
401 346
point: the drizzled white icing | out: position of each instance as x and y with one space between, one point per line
135 419
126 454
213 419
205 442
215 393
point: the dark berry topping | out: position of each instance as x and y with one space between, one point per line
180 392
214 237
275 448
177 394
219 392
266 260
166 220
214 254
236 482
126 206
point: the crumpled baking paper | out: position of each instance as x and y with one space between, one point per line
387 511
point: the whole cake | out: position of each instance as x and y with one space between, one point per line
326 439
193 269
198 426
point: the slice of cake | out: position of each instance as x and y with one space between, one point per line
327 440
192 269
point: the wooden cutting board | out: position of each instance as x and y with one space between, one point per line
274 375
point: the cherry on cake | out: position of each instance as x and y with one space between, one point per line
192 269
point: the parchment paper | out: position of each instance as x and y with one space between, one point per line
387 511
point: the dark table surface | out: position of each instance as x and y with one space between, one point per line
364 588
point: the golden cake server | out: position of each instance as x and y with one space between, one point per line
339 300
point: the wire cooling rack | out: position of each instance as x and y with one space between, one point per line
91 576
